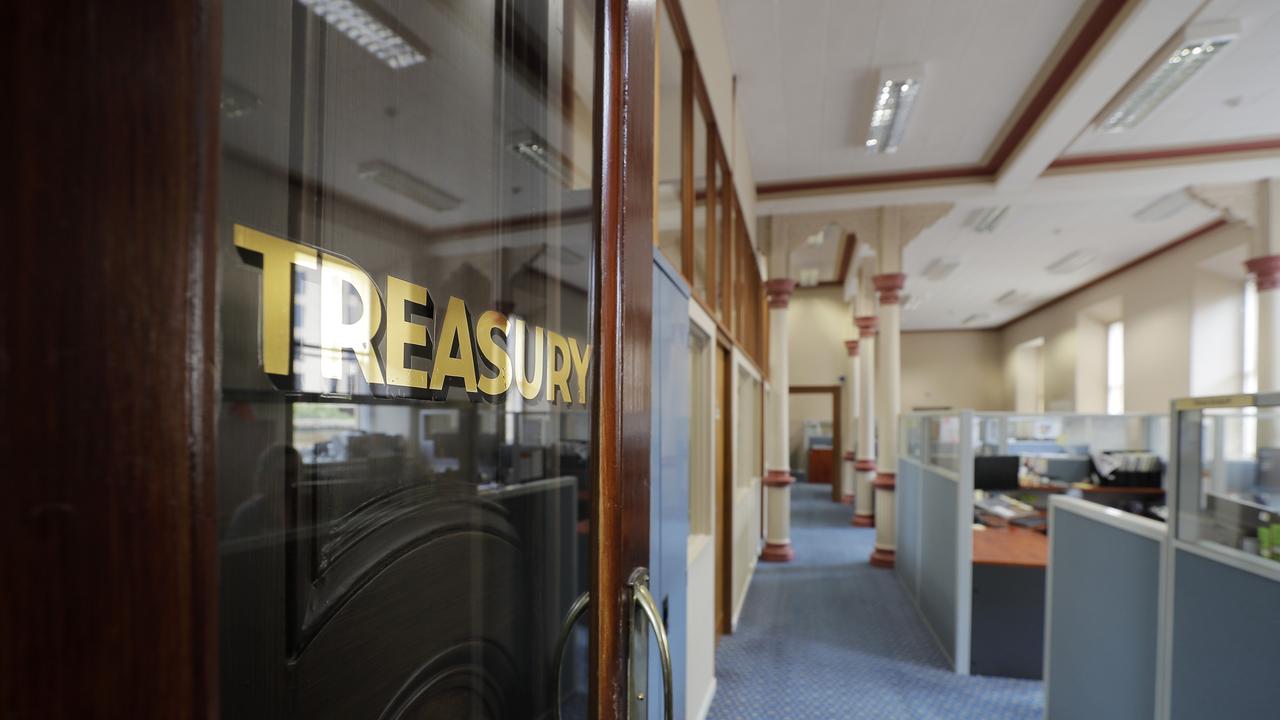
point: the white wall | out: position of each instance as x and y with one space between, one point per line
1159 305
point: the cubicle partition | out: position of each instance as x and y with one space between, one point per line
1221 621
984 604
1101 612
934 537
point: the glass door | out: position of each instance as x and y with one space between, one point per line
406 312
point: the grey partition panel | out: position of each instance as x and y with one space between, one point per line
1103 620
939 577
908 525
1226 641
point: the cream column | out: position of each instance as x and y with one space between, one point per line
888 284
1265 267
849 423
777 478
865 466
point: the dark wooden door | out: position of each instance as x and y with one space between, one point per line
338 390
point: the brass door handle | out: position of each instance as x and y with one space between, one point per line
578 607
641 596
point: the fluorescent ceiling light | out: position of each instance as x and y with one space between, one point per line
974 318
940 268
985 220
534 148
809 277
410 186
1165 206
1070 262
372 29
911 301
896 94
1172 67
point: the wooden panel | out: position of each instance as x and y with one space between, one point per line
1012 546
620 513
820 465
107 529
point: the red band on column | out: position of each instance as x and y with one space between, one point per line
889 285
863 521
851 346
850 457
867 325
1266 271
885 481
777 552
846 499
865 465
779 291
778 478
883 558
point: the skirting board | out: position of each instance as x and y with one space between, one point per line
742 600
706 701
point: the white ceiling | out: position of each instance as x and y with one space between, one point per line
806 72
1014 257
1235 97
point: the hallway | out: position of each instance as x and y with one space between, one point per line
828 636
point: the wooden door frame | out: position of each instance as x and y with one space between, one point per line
108 536
624 205
836 449
724 490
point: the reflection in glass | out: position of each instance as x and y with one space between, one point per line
404 431
700 197
670 141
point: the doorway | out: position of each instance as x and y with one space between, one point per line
821 452
724 488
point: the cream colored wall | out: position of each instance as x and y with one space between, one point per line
1158 307
956 369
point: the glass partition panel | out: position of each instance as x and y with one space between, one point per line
670 211
1229 493
406 261
942 441
701 223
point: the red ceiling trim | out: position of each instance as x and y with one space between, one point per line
1069 161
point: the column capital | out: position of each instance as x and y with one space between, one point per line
779 291
889 286
867 325
1266 271
851 347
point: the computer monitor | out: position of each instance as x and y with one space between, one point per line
995 472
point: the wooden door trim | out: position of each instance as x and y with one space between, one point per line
108 540
837 451
725 487
623 138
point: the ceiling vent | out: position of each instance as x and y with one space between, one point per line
1069 263
1164 207
975 319
941 267
1014 298
986 220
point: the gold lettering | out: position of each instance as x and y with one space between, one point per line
455 331
581 359
494 357
405 337
558 350
337 335
277 257
531 386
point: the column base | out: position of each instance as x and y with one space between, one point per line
863 521
846 499
778 478
883 558
864 465
778 552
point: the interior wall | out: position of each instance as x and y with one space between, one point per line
952 369
1158 310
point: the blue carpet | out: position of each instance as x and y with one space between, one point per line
828 636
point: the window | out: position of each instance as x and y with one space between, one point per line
670 210
748 464
1115 368
1249 429
701 459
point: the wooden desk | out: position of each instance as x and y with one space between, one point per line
1010 547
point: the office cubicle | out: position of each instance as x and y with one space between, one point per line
1221 618
935 533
